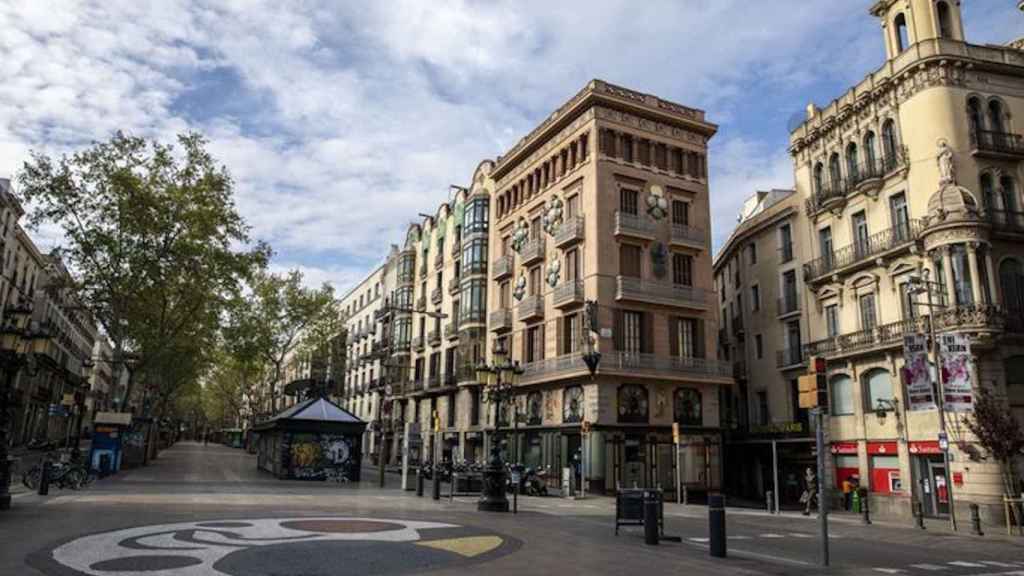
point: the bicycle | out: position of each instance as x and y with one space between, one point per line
64 473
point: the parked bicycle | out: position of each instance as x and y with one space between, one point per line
64 473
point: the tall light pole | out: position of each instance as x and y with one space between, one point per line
500 388
919 284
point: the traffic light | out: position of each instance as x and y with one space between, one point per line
813 386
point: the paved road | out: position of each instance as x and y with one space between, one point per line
207 510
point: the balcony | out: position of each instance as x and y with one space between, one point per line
453 286
570 232
787 305
867 177
971 318
786 253
639 290
502 267
1006 221
436 295
532 307
552 367
633 225
533 251
501 320
631 364
434 337
789 357
997 144
421 304
688 236
417 343
850 257
451 330
568 294
865 341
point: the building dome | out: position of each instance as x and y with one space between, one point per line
952 200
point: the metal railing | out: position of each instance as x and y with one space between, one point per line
1001 142
1007 220
882 335
684 234
633 224
570 292
788 304
502 266
552 366
839 187
629 288
533 250
789 357
570 231
626 361
530 307
865 249
786 252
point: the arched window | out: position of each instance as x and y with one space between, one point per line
841 388
988 192
633 404
834 173
902 37
688 409
995 117
889 143
1014 369
1011 280
1008 194
974 117
819 177
878 386
869 152
945 22
851 162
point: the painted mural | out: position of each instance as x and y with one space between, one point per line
317 456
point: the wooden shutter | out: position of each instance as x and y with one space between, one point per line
647 333
560 347
673 336
542 344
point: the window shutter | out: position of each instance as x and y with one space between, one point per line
542 344
619 326
673 336
560 347
647 345
698 347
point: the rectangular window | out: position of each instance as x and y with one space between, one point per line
755 298
631 326
785 243
570 333
680 213
628 201
627 148
860 234
534 344
759 346
572 265
789 297
451 410
682 333
629 260
474 409
682 269
825 244
900 215
752 253
535 229
832 320
572 206
868 315
535 281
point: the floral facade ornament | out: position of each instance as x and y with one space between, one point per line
520 235
552 217
520 288
657 205
554 270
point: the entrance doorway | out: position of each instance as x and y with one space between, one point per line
934 486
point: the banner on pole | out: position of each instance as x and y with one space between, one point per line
917 374
956 366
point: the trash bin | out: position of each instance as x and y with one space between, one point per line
856 502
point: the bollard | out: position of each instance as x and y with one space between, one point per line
866 517
976 520
650 519
918 510
437 484
768 500
419 482
716 525
44 477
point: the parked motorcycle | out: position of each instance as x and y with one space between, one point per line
535 482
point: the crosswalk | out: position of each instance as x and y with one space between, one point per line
987 568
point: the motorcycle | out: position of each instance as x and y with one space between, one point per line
535 482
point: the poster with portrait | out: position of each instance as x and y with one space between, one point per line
917 374
955 351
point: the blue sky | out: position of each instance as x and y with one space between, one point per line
342 120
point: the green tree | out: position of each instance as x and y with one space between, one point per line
999 433
153 238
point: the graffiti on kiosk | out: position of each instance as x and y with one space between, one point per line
321 457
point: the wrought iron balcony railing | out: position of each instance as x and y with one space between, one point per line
569 232
568 293
682 234
998 142
637 289
502 267
864 250
627 361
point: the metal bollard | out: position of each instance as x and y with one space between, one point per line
919 513
650 519
768 500
866 517
419 482
44 477
437 484
716 525
976 520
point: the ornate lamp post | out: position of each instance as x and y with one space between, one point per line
17 345
499 386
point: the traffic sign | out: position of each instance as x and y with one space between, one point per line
943 441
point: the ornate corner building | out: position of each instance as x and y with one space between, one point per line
915 169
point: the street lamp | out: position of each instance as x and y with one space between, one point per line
917 285
500 388
17 344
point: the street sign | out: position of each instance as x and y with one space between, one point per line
943 441
68 399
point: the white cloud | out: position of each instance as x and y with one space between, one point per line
341 121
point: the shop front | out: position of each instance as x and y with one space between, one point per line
473 447
930 471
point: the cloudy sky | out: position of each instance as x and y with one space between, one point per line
341 120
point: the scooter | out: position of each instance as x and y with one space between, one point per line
535 482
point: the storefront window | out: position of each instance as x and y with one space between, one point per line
841 387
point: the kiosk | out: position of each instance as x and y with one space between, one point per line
107 437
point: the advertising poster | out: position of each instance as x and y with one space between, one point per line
955 350
916 375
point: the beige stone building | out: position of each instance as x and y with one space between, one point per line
915 169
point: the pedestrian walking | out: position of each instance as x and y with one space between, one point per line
810 494
847 493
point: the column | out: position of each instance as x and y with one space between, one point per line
993 285
947 269
972 265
